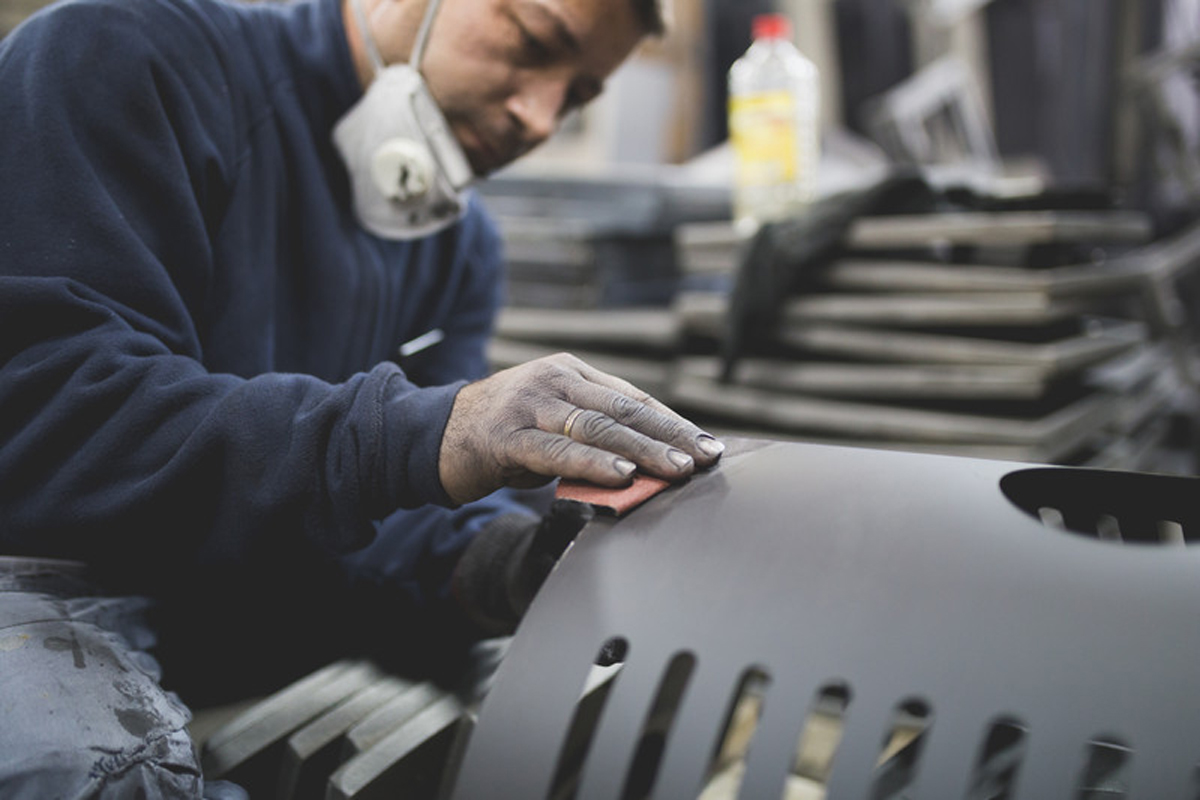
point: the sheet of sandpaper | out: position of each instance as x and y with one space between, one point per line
622 500
617 501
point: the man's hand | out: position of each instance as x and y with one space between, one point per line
505 565
557 416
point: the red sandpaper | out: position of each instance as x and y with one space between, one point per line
614 501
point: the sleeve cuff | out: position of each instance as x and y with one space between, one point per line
413 422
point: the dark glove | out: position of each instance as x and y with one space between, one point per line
507 562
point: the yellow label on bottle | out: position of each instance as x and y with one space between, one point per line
762 131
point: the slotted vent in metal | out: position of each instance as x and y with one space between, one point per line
817 622
1110 506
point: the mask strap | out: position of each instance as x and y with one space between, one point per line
364 30
418 52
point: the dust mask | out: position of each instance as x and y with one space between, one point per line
408 174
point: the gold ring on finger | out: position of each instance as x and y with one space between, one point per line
569 425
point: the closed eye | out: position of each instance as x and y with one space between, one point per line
534 51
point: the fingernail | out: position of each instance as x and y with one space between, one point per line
679 458
710 446
625 467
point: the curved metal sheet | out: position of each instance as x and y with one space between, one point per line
901 576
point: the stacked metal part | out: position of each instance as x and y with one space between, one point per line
1033 336
346 731
597 242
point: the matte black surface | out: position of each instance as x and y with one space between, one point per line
910 579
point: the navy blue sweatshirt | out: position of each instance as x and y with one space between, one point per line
195 334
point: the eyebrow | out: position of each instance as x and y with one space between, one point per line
562 32
593 87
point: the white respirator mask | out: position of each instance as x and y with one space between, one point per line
408 173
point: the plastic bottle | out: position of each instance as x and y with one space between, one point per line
774 126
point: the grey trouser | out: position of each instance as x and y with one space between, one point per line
82 714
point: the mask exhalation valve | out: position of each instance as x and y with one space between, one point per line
402 170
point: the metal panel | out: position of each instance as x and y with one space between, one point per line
313 753
703 246
703 314
1010 309
644 329
1114 277
249 750
879 381
910 579
408 762
796 414
1015 228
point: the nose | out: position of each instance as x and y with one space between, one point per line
538 107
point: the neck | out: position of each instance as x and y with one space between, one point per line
358 48
393 24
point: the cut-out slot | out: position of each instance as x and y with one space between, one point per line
1135 509
1000 758
657 727
728 764
1052 518
1104 775
1108 528
585 720
822 734
1171 532
902 743
1140 529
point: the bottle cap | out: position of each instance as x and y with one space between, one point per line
771 26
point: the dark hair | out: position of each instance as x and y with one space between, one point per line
650 14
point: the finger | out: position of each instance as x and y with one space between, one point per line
545 453
702 445
697 442
583 422
650 418
626 388
654 456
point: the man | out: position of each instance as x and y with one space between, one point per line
220 225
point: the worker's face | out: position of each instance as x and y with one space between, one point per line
506 72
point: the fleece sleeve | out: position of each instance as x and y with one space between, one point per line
460 353
411 561
114 439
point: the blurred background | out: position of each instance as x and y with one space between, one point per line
1055 322
1073 89
1033 300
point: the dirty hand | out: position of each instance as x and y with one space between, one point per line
557 416
507 562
